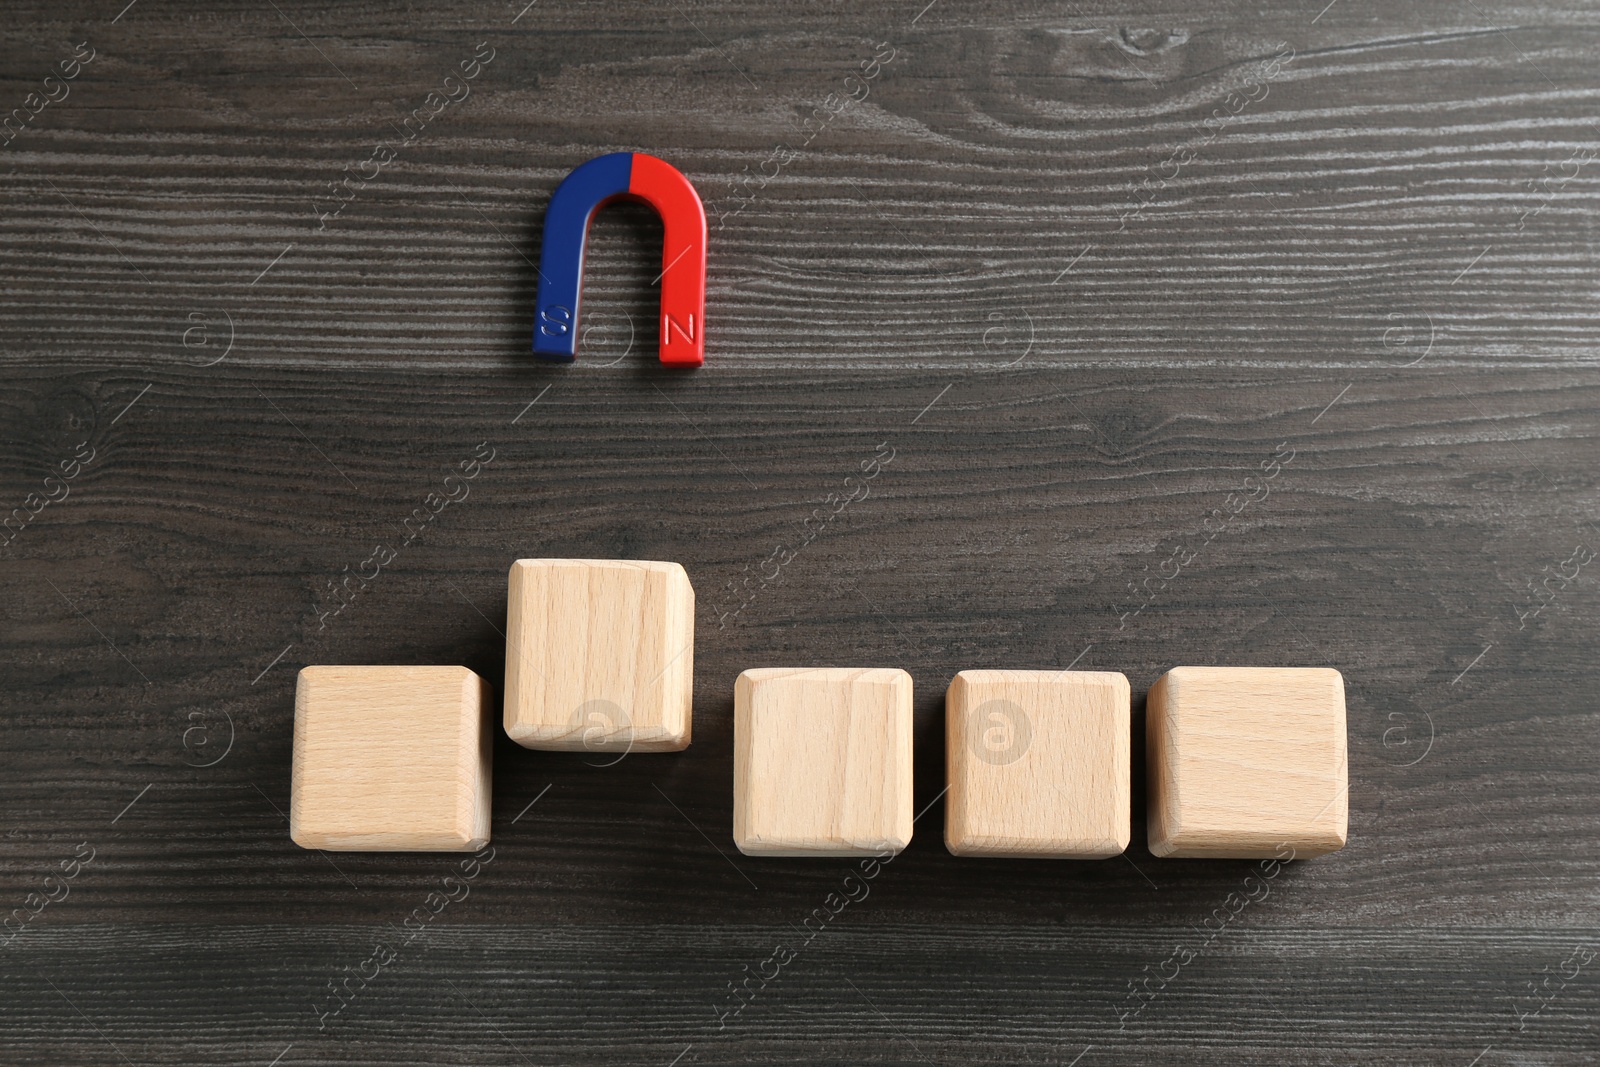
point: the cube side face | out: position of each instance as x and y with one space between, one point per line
743 745
822 761
1039 764
1248 763
1161 798
478 760
390 759
599 655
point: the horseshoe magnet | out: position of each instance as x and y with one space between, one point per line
591 186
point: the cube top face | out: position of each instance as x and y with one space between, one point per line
390 759
1247 762
1038 763
822 761
599 655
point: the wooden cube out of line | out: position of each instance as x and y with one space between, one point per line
1247 762
391 759
599 655
821 761
1038 764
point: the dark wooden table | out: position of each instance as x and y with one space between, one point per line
1083 271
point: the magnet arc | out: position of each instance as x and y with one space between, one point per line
591 186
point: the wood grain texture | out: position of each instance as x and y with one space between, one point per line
1248 763
506 992
391 759
822 761
1038 764
1384 267
599 655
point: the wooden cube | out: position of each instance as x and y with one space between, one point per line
1038 763
599 655
1247 762
391 759
821 761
